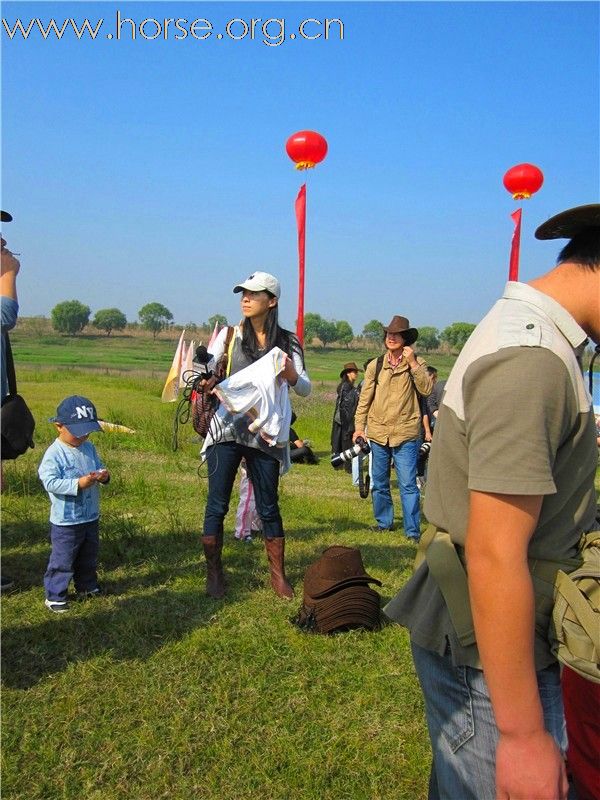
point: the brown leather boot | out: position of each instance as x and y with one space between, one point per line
275 552
215 580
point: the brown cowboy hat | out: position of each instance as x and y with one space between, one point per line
337 568
349 366
569 223
402 325
348 608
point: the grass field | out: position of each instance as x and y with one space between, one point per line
157 691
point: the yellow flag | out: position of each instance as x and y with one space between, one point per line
171 388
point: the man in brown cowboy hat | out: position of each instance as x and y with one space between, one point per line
390 413
510 491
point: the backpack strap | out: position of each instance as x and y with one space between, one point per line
378 368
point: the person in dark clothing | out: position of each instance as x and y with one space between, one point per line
434 401
300 450
345 407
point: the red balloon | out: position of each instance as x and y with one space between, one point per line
306 148
523 180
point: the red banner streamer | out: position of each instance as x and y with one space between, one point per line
301 223
513 272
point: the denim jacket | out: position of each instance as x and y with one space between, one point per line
59 471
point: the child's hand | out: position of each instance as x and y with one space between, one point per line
102 475
87 480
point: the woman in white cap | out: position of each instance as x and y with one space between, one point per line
229 438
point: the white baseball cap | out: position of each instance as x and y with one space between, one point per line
260 282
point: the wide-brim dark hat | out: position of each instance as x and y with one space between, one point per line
402 325
337 567
349 366
5 216
570 223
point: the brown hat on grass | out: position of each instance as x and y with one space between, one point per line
349 366
337 595
337 568
402 325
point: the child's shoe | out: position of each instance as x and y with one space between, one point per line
57 606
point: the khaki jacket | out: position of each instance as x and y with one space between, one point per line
390 411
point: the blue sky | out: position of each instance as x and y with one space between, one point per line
156 170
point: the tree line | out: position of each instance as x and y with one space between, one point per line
72 316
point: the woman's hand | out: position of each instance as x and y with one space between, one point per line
289 372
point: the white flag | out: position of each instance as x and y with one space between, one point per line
187 363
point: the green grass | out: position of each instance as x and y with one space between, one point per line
157 691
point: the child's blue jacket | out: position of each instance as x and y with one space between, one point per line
60 469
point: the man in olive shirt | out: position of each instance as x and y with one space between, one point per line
511 481
389 409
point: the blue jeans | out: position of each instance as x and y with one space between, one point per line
462 727
223 461
405 461
74 555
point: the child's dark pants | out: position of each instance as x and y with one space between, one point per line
74 555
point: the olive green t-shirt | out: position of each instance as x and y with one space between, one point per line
516 418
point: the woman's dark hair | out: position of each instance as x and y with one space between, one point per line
275 337
583 249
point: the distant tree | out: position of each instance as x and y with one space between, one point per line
109 320
457 334
191 327
429 338
327 332
373 330
343 332
155 317
70 317
312 326
216 319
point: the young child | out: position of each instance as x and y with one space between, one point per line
246 518
71 471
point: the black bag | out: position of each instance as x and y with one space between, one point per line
17 422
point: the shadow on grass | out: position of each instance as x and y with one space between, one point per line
127 627
133 628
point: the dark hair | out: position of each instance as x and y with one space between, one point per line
432 370
583 250
275 337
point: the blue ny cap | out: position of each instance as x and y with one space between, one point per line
78 415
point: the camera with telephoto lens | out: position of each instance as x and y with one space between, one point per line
360 446
424 450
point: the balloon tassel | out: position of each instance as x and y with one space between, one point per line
300 208
513 271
